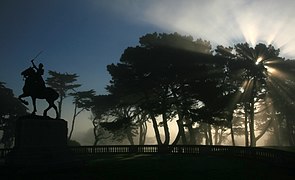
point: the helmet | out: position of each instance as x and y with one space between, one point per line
40 65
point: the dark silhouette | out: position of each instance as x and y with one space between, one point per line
170 74
39 73
82 101
35 87
246 90
63 83
10 109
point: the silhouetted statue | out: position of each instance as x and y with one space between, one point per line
35 87
39 73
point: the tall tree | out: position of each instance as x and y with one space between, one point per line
83 100
248 65
168 75
62 83
10 109
282 85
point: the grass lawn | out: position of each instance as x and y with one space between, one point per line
157 166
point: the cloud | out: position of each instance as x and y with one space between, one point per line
221 22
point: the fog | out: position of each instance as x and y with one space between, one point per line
221 22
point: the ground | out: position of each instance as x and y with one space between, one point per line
156 166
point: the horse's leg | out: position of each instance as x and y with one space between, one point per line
56 111
51 95
45 111
23 101
51 105
34 105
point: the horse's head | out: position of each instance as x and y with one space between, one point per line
28 72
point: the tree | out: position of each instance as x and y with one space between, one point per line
167 77
62 83
83 100
10 109
281 80
248 67
172 77
117 118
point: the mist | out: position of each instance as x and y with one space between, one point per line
220 22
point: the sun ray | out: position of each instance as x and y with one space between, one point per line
279 87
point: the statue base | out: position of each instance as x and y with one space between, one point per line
39 141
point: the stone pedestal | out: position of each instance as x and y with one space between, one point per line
39 141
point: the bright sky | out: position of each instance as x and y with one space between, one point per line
83 36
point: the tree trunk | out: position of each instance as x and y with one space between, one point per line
156 130
252 127
210 134
204 128
73 122
177 138
130 138
246 126
95 136
181 131
277 132
166 129
263 130
232 135
252 107
59 106
216 135
220 137
142 132
95 127
192 135
290 124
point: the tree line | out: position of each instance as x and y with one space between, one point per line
211 94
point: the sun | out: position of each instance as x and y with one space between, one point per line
259 59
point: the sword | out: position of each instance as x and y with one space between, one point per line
36 56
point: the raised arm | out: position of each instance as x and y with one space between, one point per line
34 66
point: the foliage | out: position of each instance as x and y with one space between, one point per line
248 68
62 83
83 100
172 77
10 109
117 119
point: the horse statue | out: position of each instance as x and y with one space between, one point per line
35 88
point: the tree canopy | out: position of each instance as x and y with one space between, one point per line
173 77
62 83
10 109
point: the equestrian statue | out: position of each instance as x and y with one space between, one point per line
35 88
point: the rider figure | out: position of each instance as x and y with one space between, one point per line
39 73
